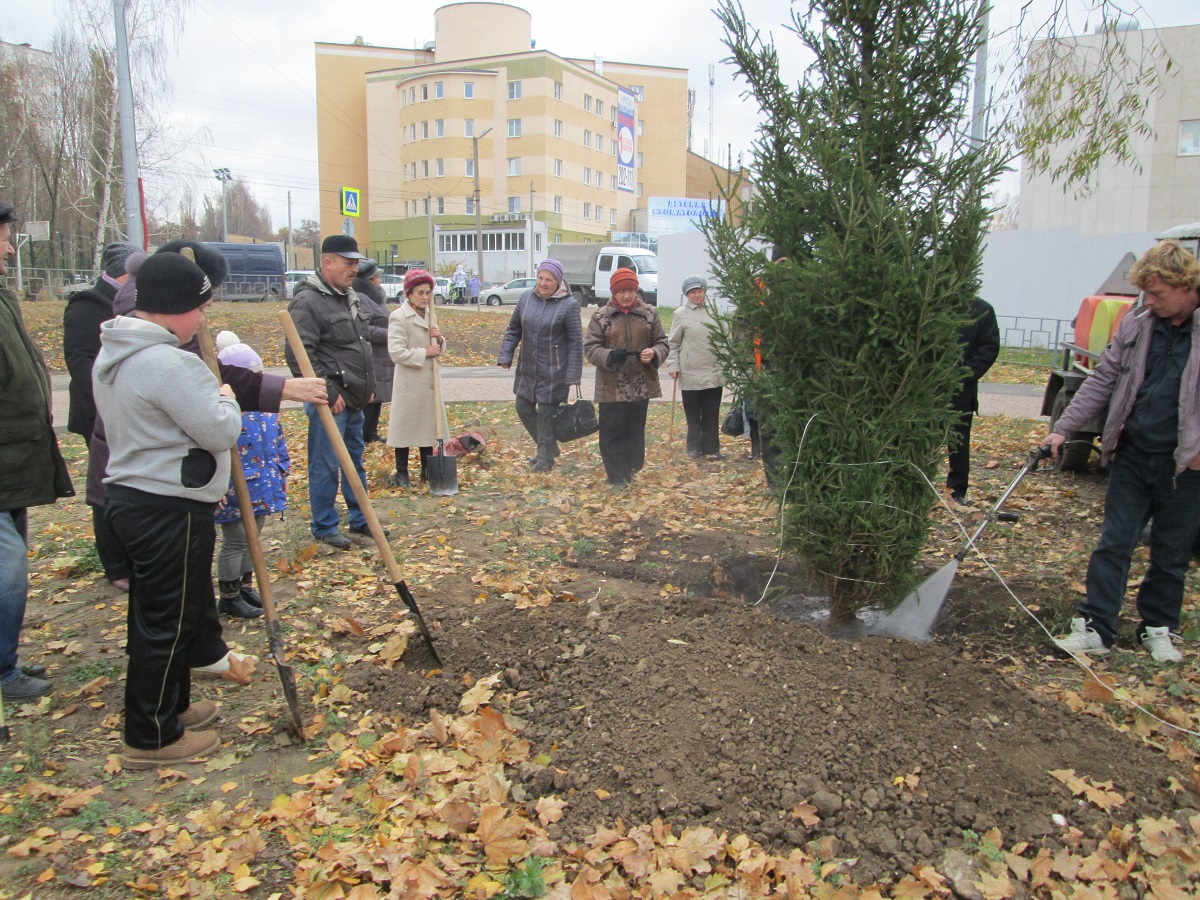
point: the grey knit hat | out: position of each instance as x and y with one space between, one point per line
112 259
692 282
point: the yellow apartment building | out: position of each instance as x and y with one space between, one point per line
403 128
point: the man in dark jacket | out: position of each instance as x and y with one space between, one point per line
85 312
336 338
981 346
32 472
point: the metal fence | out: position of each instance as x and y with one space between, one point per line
1034 333
45 284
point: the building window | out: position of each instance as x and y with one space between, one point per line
412 95
424 92
439 127
426 206
558 167
587 175
587 102
614 114
496 241
414 175
470 171
558 90
438 90
413 132
641 127
638 91
514 204
639 189
599 107
514 90
639 159
441 206
599 213
514 127
612 148
424 168
514 165
599 178
470 206
1189 138
587 210
469 90
612 216
587 138
558 127
424 130
599 141
469 128
557 204
441 168
612 182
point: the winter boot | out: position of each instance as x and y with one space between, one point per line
232 603
249 594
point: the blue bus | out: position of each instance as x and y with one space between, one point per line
255 272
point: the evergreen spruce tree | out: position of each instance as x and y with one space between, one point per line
873 199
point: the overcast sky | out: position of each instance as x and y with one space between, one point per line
245 69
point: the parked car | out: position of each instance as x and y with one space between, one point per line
393 286
509 293
76 284
442 290
294 277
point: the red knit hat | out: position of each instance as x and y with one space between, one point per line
622 280
413 277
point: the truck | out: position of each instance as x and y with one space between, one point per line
256 272
588 268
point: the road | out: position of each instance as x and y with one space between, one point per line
476 383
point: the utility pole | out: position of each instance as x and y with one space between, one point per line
531 269
223 176
134 233
288 245
980 99
478 211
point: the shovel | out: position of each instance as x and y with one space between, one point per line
914 618
441 470
360 490
671 427
261 574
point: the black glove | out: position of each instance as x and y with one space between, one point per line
618 357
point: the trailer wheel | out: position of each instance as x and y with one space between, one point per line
1074 455
580 297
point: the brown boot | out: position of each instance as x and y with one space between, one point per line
198 714
193 744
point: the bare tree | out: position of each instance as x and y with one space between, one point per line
245 216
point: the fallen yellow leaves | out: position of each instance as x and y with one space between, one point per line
1099 794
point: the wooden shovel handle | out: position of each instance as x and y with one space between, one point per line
339 446
437 384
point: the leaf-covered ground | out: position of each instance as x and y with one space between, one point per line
614 718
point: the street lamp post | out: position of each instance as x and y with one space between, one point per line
478 212
223 176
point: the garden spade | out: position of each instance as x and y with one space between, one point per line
441 470
261 574
671 427
914 618
360 490
5 737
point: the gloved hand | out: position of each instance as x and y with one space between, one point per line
617 357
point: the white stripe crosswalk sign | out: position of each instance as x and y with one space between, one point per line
350 201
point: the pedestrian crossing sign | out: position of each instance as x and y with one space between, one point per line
350 200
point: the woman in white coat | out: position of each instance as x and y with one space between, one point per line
694 364
413 345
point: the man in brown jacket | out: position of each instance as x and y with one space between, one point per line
1149 379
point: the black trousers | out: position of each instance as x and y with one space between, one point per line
959 474
173 623
703 412
371 421
538 419
108 548
623 439
402 459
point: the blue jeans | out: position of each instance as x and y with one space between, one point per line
14 587
324 473
1143 487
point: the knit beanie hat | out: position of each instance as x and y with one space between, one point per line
112 260
414 277
623 280
692 282
368 268
210 260
554 267
241 355
170 284
226 339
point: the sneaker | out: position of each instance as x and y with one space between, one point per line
542 465
1158 642
34 671
238 608
25 687
336 539
365 529
960 499
187 749
1083 640
198 714
694 454
222 664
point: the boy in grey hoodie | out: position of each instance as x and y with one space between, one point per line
170 426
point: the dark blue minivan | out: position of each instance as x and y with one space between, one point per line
255 272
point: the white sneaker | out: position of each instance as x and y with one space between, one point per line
1083 640
1158 642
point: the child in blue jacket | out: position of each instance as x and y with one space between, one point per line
266 463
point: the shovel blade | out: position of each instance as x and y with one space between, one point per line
914 618
442 471
286 676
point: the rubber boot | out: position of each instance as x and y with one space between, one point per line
401 477
248 593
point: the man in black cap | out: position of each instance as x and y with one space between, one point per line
336 337
32 472
86 311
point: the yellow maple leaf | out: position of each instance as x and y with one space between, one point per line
995 887
550 810
500 834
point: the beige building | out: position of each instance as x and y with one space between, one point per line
1165 191
402 126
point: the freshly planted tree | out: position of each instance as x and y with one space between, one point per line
873 198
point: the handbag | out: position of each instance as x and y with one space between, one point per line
735 422
575 420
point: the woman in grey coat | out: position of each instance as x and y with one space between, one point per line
372 302
548 326
693 363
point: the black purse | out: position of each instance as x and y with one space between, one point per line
735 421
573 421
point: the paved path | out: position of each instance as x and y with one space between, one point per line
474 383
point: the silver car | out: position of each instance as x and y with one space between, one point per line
509 293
